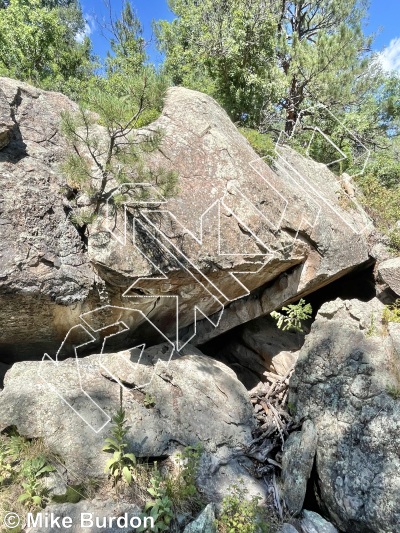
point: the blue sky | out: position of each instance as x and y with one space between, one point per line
384 18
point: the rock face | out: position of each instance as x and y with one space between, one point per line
44 272
204 523
239 235
84 516
344 380
389 271
6 123
314 523
190 400
297 462
257 347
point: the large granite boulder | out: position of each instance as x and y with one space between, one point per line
240 235
347 381
188 399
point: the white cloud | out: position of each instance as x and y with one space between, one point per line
90 26
390 56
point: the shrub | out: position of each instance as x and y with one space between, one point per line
261 143
391 312
239 514
181 486
383 205
293 316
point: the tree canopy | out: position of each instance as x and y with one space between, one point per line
38 43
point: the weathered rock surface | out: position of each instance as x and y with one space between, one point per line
194 399
297 462
43 266
6 123
389 271
204 523
256 347
85 513
342 382
314 523
282 230
288 528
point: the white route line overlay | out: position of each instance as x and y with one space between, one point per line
295 177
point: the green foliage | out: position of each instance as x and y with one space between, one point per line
174 492
266 61
223 48
35 495
149 400
23 465
394 392
391 312
82 217
239 514
121 465
181 487
292 409
74 494
128 52
261 143
160 507
38 43
383 205
372 330
95 160
385 168
293 316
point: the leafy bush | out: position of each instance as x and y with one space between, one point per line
293 316
161 505
261 143
181 486
383 205
121 464
391 312
386 169
118 154
239 514
23 465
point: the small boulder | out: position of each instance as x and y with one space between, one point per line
297 463
204 523
389 271
314 523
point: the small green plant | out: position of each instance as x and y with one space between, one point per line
181 487
293 316
240 514
394 240
291 408
391 312
149 400
372 331
261 143
394 392
120 466
161 506
82 217
35 494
